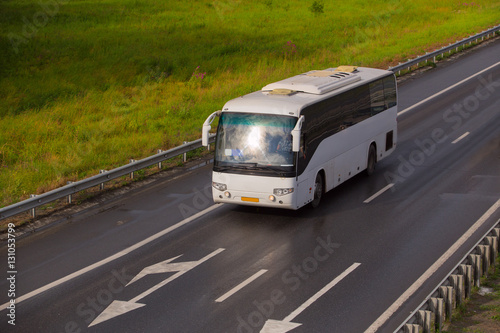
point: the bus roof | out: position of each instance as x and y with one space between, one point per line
291 95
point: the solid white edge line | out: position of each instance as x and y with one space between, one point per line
111 258
378 193
445 90
461 137
431 270
240 286
320 293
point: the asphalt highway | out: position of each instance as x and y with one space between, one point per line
163 258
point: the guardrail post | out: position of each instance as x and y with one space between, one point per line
475 259
132 173
466 271
484 250
496 235
424 318
436 305
33 210
493 243
412 328
159 163
457 282
184 159
496 232
447 293
101 186
70 197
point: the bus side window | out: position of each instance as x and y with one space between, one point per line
390 91
362 107
377 97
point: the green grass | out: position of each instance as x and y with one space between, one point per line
87 85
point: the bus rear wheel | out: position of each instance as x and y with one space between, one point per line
318 190
372 160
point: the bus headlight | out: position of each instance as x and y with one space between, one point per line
219 186
282 191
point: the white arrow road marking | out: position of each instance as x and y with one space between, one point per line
286 325
117 308
111 258
163 267
275 326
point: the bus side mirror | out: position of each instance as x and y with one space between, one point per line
207 126
296 135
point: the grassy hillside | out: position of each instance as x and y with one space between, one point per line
87 85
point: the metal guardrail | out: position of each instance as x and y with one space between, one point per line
457 286
101 178
412 62
65 191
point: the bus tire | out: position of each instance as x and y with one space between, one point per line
319 185
372 160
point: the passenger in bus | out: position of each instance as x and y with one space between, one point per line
285 144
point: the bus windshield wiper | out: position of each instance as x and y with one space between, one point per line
245 165
277 170
252 166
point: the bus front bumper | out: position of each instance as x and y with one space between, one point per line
257 199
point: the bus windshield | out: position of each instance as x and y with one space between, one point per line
256 143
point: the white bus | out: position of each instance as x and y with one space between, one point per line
289 143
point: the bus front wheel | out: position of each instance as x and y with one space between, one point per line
318 190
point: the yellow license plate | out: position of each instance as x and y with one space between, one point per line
250 199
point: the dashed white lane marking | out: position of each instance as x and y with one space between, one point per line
378 193
460 137
240 286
